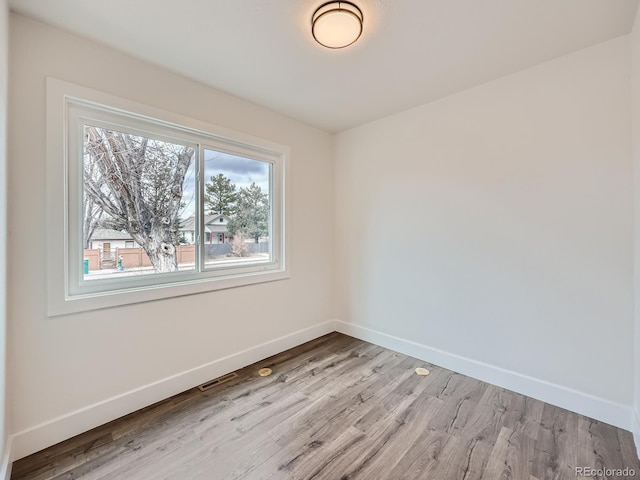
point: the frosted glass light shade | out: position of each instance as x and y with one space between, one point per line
336 24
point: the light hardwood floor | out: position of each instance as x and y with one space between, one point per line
338 408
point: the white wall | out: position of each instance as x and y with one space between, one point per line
635 136
506 220
4 54
64 367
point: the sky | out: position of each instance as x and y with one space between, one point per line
241 171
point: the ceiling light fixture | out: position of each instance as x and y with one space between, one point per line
336 24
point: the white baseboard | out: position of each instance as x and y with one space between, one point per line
51 432
5 467
579 402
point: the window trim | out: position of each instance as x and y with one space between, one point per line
63 99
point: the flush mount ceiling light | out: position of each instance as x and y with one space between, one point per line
336 24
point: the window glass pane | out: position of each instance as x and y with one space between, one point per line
237 210
138 196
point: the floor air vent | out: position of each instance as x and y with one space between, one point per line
217 381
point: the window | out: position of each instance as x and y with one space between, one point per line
197 208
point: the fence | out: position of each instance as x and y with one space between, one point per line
133 257
216 249
219 249
137 257
259 247
93 256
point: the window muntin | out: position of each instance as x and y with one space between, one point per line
71 108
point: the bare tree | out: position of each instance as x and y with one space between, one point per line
137 183
92 212
92 215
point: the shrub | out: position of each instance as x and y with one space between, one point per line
239 247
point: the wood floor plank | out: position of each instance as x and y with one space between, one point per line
555 454
524 415
629 455
471 457
242 458
598 445
432 455
355 458
339 408
318 460
420 413
511 456
458 409
481 432
332 376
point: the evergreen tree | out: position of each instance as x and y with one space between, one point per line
251 217
220 196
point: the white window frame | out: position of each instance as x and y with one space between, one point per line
69 106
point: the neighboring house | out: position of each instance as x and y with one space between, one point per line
215 229
108 240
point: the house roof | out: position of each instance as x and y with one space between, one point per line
109 234
410 52
188 224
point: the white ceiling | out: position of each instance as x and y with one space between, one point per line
411 51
